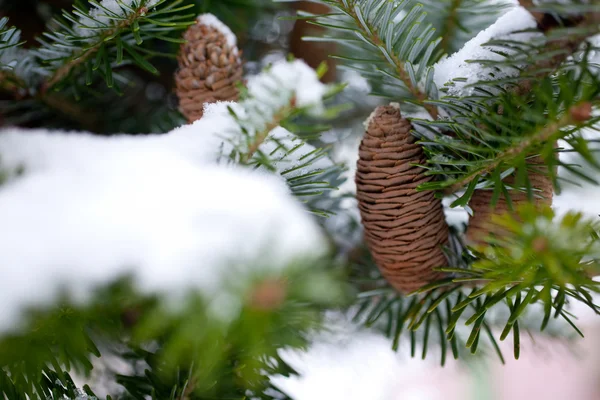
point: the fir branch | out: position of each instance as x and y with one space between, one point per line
259 138
9 41
264 132
401 45
560 46
18 90
522 148
372 34
11 83
541 259
87 52
450 25
70 45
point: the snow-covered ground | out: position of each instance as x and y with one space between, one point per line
355 364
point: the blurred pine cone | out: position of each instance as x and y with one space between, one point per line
210 66
481 225
404 229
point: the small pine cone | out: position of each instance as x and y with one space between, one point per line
481 225
210 66
404 229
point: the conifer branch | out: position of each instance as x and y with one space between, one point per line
450 25
371 33
18 89
114 37
524 147
260 137
561 48
87 52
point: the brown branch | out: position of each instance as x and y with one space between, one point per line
261 136
563 47
190 387
18 89
398 64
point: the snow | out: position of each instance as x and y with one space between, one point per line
281 85
355 81
458 65
348 362
214 22
372 115
170 209
87 218
284 78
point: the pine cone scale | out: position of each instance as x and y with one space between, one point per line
209 70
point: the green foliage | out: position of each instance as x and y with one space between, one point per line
203 348
490 293
392 45
486 146
309 172
9 39
90 60
88 43
475 141
457 21
223 347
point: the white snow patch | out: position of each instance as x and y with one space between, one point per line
279 147
457 65
88 209
355 81
284 78
214 22
350 363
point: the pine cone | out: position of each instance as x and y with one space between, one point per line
403 228
481 225
210 66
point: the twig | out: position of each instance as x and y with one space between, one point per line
522 147
398 64
84 55
18 89
261 136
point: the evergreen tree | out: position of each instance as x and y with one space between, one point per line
191 255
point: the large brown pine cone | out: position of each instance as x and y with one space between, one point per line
481 225
404 229
209 68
